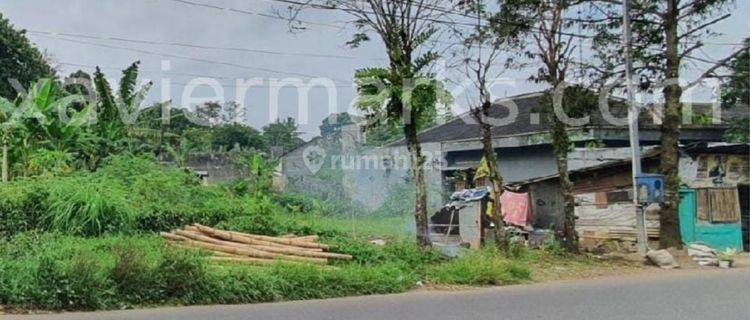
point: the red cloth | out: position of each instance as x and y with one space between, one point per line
515 207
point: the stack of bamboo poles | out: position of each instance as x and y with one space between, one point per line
250 248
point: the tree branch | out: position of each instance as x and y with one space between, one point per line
721 63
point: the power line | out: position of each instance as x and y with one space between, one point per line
435 20
174 73
252 13
195 46
268 70
450 11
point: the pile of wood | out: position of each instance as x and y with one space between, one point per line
251 248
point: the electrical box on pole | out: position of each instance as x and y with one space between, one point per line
650 188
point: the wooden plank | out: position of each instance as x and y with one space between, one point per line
724 204
600 198
703 211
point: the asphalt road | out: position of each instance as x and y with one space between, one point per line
679 295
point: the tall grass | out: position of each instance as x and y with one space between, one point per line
126 195
88 207
48 271
485 267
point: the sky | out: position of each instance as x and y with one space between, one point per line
255 44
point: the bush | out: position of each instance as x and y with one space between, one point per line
134 275
21 208
486 267
89 207
126 195
77 284
60 272
403 253
183 276
296 202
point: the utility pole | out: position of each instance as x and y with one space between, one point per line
640 219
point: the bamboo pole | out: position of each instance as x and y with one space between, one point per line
172 236
290 242
311 238
250 241
238 249
245 260
295 251
304 253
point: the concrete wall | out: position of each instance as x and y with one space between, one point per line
372 175
518 164
219 167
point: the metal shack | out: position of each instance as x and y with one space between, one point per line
714 208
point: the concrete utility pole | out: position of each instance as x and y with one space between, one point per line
640 219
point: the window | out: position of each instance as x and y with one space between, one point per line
717 205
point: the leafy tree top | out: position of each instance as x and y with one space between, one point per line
19 60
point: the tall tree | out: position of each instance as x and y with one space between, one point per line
282 135
667 34
19 60
736 93
229 135
481 54
552 47
404 27
331 127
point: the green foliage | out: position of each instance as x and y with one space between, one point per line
405 254
183 275
20 60
78 283
398 202
486 267
238 135
69 273
330 127
132 273
88 206
737 89
43 162
126 194
282 134
386 100
739 131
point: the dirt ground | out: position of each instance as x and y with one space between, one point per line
609 265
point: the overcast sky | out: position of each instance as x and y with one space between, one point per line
319 51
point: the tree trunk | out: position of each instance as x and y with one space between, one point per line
5 162
669 234
494 177
417 174
561 143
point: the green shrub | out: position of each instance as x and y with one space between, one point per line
124 196
133 274
77 284
21 207
89 207
183 276
403 253
297 282
59 272
486 267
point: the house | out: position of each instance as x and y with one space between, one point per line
453 150
714 208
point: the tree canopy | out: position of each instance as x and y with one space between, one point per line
19 60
